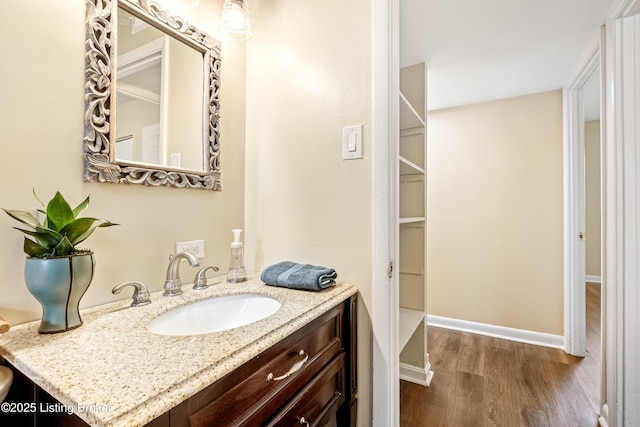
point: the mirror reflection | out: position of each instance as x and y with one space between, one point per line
159 119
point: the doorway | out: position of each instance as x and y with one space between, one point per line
593 229
582 111
584 139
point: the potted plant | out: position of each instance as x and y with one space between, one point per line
57 272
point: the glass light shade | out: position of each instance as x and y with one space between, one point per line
235 20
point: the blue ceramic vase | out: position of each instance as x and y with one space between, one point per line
58 284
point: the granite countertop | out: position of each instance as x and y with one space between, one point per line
113 372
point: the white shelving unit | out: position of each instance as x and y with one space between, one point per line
414 359
407 167
409 322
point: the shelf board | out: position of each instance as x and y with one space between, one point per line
411 220
411 132
407 167
415 177
409 322
410 272
409 118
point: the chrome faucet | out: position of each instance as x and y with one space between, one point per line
172 284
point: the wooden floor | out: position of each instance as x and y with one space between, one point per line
484 381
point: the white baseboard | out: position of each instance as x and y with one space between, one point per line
593 279
519 335
416 375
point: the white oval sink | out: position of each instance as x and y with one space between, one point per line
214 315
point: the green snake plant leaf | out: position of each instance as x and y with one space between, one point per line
38 198
46 238
24 217
82 206
64 248
79 229
59 213
35 250
82 228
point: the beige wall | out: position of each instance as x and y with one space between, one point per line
309 75
41 131
592 188
303 202
495 216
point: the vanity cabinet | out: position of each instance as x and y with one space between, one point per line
307 378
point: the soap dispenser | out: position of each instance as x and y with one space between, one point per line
237 273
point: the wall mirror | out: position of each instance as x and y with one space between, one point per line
151 98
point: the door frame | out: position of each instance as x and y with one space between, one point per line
574 195
385 125
621 217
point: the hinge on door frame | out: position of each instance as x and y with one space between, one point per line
390 269
582 236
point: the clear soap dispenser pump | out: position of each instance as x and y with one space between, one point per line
237 273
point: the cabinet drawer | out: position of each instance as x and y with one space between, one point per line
318 400
250 395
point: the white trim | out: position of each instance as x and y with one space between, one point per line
593 279
574 198
384 310
142 57
604 416
416 375
512 334
621 152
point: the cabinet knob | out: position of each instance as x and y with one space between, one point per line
295 368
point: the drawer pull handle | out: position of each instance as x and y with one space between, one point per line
304 422
295 368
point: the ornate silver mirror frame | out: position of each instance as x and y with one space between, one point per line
99 136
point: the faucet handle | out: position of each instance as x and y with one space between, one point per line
140 293
200 281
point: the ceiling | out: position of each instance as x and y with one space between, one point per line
479 51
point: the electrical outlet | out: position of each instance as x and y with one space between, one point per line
194 247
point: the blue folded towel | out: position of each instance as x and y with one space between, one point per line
299 276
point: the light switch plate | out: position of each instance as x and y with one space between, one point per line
352 142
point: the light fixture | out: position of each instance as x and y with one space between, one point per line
235 20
